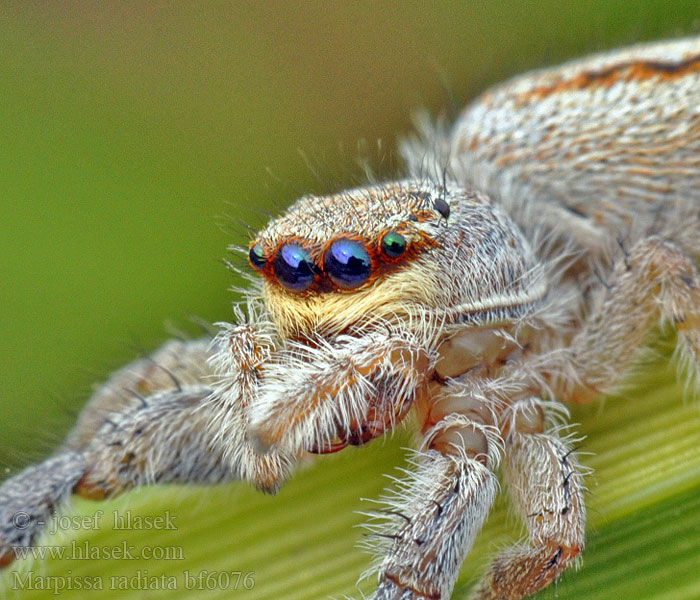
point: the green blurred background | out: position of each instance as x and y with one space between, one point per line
135 140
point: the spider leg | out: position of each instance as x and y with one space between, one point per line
175 365
154 421
546 485
655 282
437 512
166 440
29 499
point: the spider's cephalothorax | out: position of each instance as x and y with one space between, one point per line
408 264
565 226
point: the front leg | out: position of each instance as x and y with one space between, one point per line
155 421
435 516
163 440
546 485
94 460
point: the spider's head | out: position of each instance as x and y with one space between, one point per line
386 252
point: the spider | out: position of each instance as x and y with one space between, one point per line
519 265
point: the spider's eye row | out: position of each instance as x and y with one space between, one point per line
347 263
256 256
393 244
294 268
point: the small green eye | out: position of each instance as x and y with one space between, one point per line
257 257
393 244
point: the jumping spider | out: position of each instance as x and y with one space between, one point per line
520 264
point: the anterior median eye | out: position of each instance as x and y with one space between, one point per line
393 244
294 268
257 257
347 263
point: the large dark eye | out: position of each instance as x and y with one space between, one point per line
294 267
347 263
393 244
257 257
